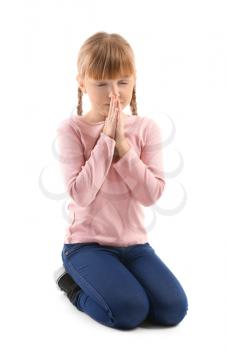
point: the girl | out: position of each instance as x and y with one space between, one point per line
112 166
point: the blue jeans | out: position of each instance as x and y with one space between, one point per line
123 286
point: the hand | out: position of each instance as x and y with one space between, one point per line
110 122
122 146
120 133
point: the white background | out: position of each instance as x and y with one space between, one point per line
181 57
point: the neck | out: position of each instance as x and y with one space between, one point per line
94 118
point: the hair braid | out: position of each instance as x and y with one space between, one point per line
79 105
133 103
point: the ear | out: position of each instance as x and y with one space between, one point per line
135 80
81 83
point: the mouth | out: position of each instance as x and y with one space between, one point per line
108 104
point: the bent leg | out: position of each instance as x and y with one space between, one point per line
168 301
109 293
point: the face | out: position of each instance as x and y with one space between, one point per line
100 92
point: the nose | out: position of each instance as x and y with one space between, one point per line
114 92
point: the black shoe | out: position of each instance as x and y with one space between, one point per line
66 283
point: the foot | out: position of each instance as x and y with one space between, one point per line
66 283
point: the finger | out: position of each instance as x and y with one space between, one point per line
117 119
119 106
116 113
113 111
111 107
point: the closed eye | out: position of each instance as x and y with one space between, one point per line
105 84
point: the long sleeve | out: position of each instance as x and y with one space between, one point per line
144 176
83 179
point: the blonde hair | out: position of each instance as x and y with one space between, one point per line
106 56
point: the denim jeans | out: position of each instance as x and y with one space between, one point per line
123 286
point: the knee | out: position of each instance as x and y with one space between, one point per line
173 313
130 312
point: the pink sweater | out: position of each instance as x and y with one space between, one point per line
107 193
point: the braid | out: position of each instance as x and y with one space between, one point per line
133 103
79 106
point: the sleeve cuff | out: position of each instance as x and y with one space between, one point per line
107 137
126 158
